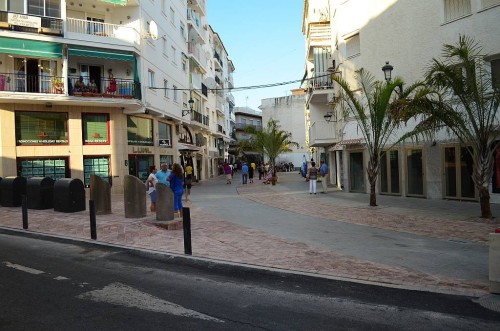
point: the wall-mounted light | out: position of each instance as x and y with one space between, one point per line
190 110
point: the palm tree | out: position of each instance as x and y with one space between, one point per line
271 141
465 103
373 109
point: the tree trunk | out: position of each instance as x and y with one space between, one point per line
372 172
373 196
484 200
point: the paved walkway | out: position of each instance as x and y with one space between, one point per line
224 239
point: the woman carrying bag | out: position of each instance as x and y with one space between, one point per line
176 185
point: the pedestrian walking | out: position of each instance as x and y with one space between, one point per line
261 170
312 175
228 171
188 180
251 171
176 181
244 173
152 180
323 172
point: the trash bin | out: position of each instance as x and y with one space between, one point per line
12 188
69 195
40 192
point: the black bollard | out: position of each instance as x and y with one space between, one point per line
186 225
24 206
93 230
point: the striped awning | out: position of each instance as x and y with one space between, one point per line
100 53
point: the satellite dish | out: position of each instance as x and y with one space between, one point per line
153 30
210 82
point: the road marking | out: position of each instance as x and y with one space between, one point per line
23 268
123 295
61 278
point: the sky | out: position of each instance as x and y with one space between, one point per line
264 40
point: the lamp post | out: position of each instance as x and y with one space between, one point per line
190 110
387 69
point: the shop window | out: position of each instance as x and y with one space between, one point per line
164 134
139 131
96 165
168 159
54 168
41 128
95 128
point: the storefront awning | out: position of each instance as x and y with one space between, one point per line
32 48
188 147
100 53
340 145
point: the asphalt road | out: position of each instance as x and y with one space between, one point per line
57 284
457 259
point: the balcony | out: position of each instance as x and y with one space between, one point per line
230 99
196 31
104 87
197 57
20 82
320 87
319 35
198 5
322 134
243 126
218 63
200 118
230 80
102 30
38 24
219 128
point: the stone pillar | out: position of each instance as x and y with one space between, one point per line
164 203
494 263
100 192
134 197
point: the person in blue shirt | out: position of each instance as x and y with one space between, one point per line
176 180
163 174
244 173
323 172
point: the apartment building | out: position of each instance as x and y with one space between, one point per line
102 87
245 117
343 36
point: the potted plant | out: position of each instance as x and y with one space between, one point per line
57 86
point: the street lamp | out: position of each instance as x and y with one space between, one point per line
190 110
387 69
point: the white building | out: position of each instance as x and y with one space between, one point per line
115 122
289 112
408 34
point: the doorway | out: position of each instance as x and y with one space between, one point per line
32 75
458 182
389 173
138 165
356 172
415 172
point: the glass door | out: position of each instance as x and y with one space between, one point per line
415 172
138 165
356 172
458 182
389 173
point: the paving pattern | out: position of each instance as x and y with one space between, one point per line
219 239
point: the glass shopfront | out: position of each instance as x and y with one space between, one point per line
95 129
139 131
54 168
96 165
41 128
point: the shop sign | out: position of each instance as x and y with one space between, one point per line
141 150
24 20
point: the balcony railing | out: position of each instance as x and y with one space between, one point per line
322 132
219 128
200 118
48 25
117 87
321 80
103 30
20 82
195 50
243 126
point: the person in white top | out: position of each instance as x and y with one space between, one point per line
152 181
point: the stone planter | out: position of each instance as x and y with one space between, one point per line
494 262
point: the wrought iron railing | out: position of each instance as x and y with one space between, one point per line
21 82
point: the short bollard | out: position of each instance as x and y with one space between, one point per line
186 225
93 230
24 206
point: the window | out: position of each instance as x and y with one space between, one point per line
139 131
41 128
490 3
164 134
95 128
151 78
165 46
168 159
174 55
165 88
184 65
96 165
176 97
353 47
181 29
54 168
495 73
454 9
172 16
164 6
50 8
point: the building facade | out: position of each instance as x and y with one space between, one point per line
104 87
408 34
245 117
289 112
